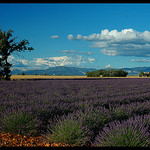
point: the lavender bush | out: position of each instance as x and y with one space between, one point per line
93 118
120 112
131 133
18 123
67 130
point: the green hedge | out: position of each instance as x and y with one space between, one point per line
107 73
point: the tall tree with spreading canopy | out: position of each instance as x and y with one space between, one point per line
7 47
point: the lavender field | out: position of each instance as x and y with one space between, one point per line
103 112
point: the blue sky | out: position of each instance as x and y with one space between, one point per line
88 35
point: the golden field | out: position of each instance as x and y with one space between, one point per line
43 77
17 77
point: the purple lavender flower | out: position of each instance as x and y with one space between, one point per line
67 130
18 122
131 133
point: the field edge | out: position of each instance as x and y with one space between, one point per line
17 77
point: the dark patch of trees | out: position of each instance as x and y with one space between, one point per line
107 73
144 74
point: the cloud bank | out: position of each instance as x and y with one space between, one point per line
140 60
127 42
45 63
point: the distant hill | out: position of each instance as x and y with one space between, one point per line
60 70
72 71
136 70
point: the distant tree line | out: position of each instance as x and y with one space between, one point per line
144 74
33 74
107 73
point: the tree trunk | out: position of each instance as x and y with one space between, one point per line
7 69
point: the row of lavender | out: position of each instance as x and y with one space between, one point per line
102 111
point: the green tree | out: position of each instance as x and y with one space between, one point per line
7 47
141 74
23 73
107 73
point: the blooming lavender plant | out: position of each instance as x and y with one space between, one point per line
93 118
131 133
18 122
67 130
120 112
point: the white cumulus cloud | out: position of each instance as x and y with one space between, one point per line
108 66
54 37
91 60
140 60
75 52
70 37
127 42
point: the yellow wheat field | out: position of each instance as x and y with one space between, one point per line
17 77
43 77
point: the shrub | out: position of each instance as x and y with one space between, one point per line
22 73
133 132
93 118
140 108
18 123
67 130
120 112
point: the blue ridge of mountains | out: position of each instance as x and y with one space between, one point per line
136 70
59 70
72 71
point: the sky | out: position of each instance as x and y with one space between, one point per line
88 35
